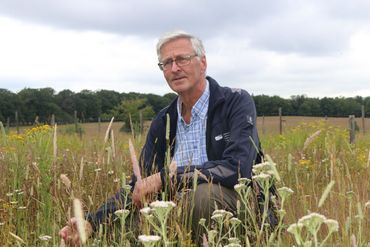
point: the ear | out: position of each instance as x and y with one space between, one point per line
203 64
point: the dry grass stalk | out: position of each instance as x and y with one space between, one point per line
310 139
108 130
55 147
326 193
77 209
81 168
16 237
112 144
135 163
65 180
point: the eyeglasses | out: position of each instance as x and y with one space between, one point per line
180 61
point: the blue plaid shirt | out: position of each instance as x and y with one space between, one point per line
190 148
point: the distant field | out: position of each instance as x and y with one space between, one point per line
270 125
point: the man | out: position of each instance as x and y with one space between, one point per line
212 130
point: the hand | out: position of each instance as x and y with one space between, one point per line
144 187
70 234
139 193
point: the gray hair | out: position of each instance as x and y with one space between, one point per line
195 42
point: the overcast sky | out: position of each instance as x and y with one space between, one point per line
275 47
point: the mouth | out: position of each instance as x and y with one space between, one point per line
178 78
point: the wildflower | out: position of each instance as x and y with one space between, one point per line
235 221
312 221
45 237
244 180
97 170
239 187
233 245
285 192
145 211
333 225
116 180
217 217
367 204
233 241
162 204
22 208
202 222
262 177
211 235
2 223
9 194
149 240
161 209
295 229
111 172
122 213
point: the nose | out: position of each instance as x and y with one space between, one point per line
174 67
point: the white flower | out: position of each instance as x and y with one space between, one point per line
244 180
2 223
162 204
111 172
239 187
22 207
44 237
285 192
333 225
262 176
9 194
122 213
234 241
295 228
145 210
235 221
312 221
217 217
367 204
97 170
149 240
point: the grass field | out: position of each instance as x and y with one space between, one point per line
42 173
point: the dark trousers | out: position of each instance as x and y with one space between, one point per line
207 198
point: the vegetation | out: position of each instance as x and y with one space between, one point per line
323 182
90 105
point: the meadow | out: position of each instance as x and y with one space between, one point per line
323 182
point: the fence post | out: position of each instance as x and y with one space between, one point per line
99 122
141 122
352 130
52 122
263 124
7 124
280 121
363 118
17 121
75 119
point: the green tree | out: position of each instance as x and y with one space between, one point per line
133 108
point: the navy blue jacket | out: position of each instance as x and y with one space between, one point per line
231 143
231 127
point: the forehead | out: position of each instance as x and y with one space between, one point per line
176 47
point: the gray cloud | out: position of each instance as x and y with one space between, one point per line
258 45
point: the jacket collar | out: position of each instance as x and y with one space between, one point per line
216 96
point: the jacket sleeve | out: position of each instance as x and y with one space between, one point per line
105 211
240 150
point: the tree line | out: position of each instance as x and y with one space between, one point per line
103 104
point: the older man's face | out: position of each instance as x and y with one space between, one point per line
185 79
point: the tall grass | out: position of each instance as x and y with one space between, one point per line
38 184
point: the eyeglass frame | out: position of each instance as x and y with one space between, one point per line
170 62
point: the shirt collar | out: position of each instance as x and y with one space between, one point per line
200 108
